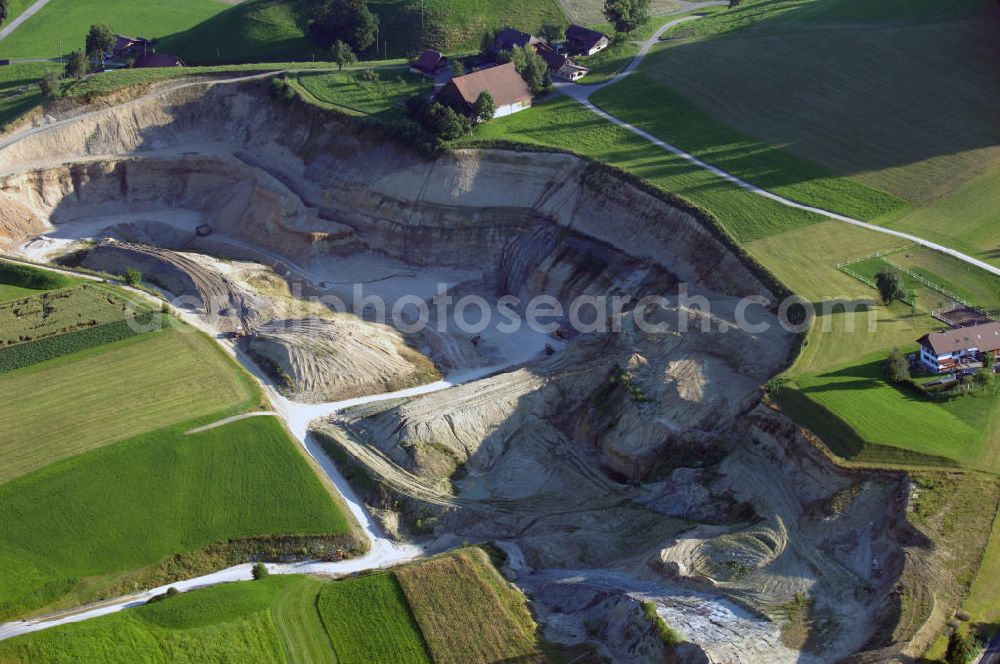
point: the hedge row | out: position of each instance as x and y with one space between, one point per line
40 350
14 274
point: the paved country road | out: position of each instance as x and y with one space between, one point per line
25 15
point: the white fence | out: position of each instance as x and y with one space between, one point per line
956 300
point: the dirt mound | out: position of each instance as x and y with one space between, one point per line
332 360
228 307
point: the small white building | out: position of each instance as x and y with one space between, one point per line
942 352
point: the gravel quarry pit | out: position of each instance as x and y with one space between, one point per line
612 467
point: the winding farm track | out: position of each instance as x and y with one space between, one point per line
25 15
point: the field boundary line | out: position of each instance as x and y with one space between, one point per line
230 420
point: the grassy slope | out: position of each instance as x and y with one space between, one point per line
565 124
458 25
73 404
922 117
15 76
892 417
20 281
653 107
61 26
296 615
132 504
468 613
353 92
265 30
228 623
252 31
368 620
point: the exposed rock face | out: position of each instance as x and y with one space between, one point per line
301 183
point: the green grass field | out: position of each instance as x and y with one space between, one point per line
653 107
914 107
296 615
72 404
368 620
61 26
887 416
251 31
287 619
130 505
381 93
21 281
228 623
565 124
967 218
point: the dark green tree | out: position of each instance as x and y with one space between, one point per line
133 277
962 648
343 55
890 286
100 40
984 377
349 21
259 571
4 10
626 15
532 69
77 65
50 83
897 367
485 107
552 33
